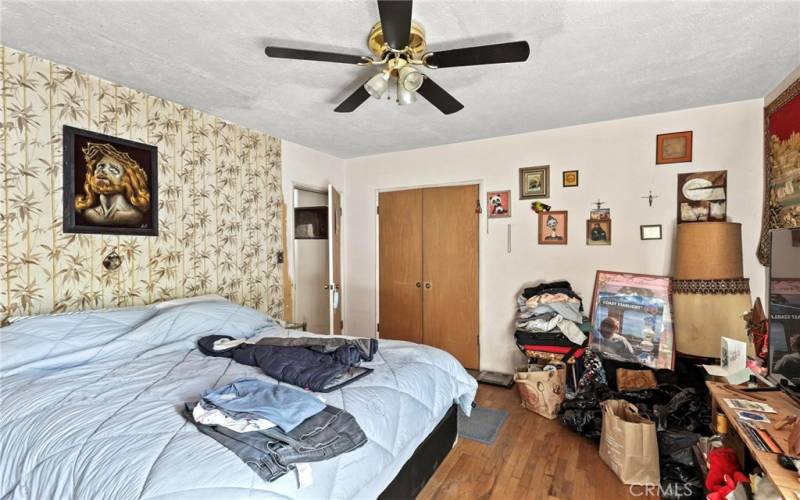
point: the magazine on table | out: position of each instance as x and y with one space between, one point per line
744 404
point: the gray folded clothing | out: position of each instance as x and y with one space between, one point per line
271 453
567 310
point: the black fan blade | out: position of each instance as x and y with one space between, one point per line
355 100
439 97
312 55
395 22
483 54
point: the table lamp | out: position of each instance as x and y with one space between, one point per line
709 292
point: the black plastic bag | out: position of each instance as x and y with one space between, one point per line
680 482
686 410
676 446
583 414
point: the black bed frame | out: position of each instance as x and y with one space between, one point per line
426 459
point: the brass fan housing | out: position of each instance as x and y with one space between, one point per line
416 43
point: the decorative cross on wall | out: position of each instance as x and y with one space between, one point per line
650 197
598 203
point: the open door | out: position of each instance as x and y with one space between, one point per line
334 259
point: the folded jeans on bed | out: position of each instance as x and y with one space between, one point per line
208 414
251 399
271 453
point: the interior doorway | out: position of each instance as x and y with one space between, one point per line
311 262
316 244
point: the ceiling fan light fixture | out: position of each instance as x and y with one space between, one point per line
410 78
378 84
405 96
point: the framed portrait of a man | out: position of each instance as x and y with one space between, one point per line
110 185
553 227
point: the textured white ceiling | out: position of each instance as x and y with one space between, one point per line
590 61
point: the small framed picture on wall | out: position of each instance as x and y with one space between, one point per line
569 178
598 232
498 204
650 231
534 182
675 147
553 228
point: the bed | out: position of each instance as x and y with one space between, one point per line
90 408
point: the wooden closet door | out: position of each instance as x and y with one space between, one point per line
400 261
450 271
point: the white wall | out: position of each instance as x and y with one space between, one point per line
616 160
309 168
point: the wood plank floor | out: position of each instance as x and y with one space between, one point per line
532 458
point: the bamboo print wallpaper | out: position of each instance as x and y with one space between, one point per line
219 199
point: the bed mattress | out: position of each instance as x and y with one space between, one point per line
90 407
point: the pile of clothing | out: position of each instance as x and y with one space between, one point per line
550 321
274 428
320 364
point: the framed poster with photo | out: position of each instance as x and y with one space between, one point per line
632 320
534 182
110 185
498 204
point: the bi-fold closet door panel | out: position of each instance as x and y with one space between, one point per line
450 271
400 260
428 258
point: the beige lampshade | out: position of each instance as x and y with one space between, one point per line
708 251
701 319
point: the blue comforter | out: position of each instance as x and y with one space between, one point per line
90 407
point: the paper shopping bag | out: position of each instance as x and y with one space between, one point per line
542 392
628 443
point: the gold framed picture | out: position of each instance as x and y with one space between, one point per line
534 182
675 147
553 228
598 232
569 178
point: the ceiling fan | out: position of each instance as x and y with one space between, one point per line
398 45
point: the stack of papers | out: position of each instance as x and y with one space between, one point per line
747 405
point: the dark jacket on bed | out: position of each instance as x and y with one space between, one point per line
318 369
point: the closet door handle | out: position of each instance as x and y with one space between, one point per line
419 285
326 286
428 285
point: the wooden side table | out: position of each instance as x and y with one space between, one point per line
785 480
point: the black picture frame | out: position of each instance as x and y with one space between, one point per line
73 220
643 227
564 175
